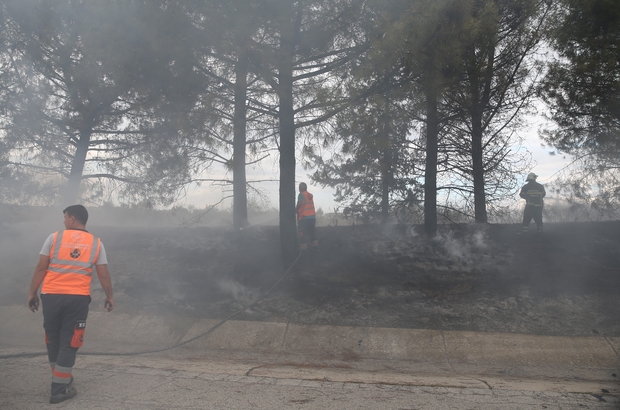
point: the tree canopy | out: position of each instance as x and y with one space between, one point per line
582 89
390 102
583 84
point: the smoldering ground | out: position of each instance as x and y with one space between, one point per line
475 278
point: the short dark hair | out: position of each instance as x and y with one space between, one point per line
303 186
78 211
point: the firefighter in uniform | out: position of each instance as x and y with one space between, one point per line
533 193
65 268
306 218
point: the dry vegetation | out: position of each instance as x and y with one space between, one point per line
483 278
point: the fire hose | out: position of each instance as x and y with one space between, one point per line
203 334
226 319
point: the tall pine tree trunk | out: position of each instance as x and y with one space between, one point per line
240 197
386 165
475 113
479 100
430 172
288 214
386 182
480 208
72 188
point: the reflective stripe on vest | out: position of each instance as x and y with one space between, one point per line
72 256
534 197
307 207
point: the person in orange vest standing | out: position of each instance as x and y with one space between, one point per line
306 218
65 268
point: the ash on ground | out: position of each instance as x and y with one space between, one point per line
477 278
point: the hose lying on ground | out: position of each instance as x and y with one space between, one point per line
211 329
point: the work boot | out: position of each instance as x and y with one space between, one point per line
69 393
523 230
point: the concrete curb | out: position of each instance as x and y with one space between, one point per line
21 331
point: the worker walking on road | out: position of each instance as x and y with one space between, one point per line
306 218
65 268
533 193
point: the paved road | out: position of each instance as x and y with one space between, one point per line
176 382
277 365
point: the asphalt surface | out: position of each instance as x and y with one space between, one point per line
244 364
380 320
162 383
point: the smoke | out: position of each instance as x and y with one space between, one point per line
467 248
239 292
460 248
20 243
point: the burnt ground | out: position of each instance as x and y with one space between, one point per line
565 282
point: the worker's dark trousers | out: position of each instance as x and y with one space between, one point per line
64 321
534 212
307 231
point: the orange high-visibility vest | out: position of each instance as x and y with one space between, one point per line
307 206
72 256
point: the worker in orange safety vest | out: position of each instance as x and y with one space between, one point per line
306 218
65 268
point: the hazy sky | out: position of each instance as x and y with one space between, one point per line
544 165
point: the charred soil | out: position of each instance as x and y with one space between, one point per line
479 278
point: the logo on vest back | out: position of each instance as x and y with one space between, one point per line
75 253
